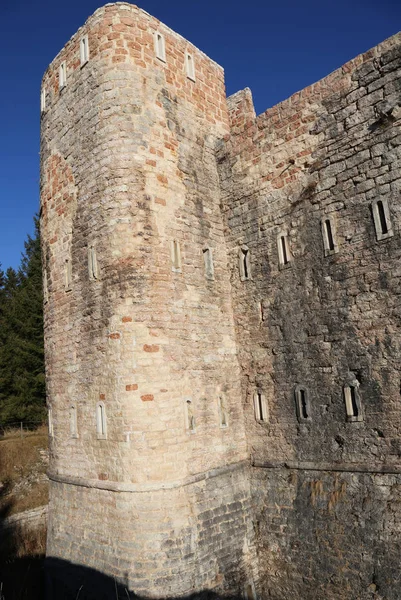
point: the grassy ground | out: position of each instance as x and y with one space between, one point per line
23 465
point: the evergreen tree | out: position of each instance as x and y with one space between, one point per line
22 381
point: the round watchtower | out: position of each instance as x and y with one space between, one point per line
148 451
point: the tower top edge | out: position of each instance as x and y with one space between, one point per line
129 8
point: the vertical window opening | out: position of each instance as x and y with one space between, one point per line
62 75
284 250
260 406
190 416
304 408
330 240
101 421
92 263
352 403
208 260
302 404
355 411
176 256
160 46
43 100
68 275
244 258
244 263
382 220
73 421
223 411
190 66
261 311
84 50
50 421
382 217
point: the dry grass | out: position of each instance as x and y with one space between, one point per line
23 466
15 432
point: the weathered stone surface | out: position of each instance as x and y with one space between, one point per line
143 170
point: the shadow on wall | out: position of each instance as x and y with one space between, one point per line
25 574
21 556
66 581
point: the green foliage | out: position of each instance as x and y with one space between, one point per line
22 379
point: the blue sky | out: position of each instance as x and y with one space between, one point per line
275 48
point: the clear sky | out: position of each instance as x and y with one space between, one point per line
273 47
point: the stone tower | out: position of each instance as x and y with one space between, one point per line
222 323
147 429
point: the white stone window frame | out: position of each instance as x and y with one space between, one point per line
93 267
190 66
378 222
68 275
207 254
284 259
160 46
175 250
62 75
300 390
190 421
223 412
73 416
349 390
50 421
101 421
328 251
84 50
43 100
244 263
261 408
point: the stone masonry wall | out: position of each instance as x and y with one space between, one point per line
128 167
321 322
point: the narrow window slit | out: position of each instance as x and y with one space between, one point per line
190 66
101 429
176 256
352 403
382 217
160 47
260 407
208 260
244 257
190 417
355 409
302 404
244 263
284 250
84 50
73 421
330 240
62 75
304 408
223 411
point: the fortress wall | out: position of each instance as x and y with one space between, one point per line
174 541
322 322
128 166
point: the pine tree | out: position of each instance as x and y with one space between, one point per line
22 381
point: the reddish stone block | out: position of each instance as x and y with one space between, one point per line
114 336
147 398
